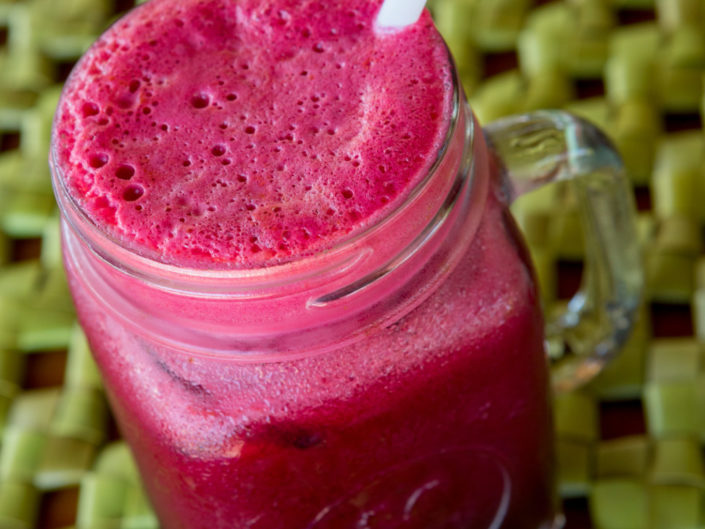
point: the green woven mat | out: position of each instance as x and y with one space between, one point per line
630 447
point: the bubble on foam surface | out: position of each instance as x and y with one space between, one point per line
125 172
96 161
132 193
200 101
90 109
295 129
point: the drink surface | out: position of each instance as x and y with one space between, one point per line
236 134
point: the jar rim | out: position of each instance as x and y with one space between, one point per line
219 282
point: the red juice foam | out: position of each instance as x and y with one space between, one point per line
285 127
243 134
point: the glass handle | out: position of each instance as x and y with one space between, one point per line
548 146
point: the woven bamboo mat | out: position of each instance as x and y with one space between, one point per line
630 446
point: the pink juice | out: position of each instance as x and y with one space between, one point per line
340 379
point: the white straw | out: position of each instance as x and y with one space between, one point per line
396 14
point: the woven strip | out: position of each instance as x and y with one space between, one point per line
629 446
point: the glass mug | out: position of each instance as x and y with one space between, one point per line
398 380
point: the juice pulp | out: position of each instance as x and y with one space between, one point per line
440 420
